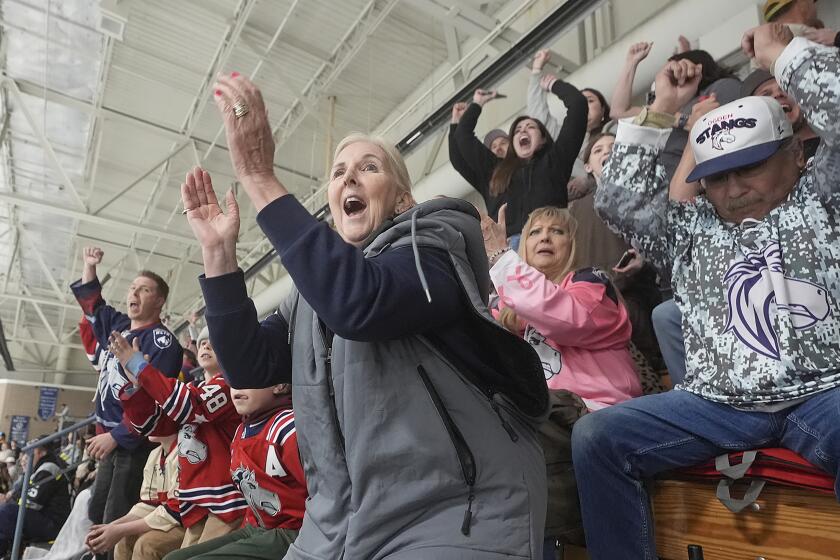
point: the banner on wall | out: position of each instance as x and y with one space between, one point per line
47 402
19 431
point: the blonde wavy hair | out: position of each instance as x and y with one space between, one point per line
563 218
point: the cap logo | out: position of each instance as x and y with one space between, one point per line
722 137
721 131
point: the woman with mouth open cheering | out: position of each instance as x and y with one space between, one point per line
536 169
415 411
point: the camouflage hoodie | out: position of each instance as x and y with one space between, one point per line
760 300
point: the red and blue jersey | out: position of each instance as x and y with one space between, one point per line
265 465
205 420
156 341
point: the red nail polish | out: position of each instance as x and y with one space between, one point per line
218 92
234 74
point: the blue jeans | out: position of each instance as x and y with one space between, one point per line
667 322
615 449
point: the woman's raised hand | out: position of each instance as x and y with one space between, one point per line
247 128
215 231
494 233
541 58
482 96
249 137
638 52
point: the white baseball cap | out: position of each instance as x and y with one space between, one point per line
738 134
203 335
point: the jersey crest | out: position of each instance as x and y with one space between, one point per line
256 497
162 338
189 446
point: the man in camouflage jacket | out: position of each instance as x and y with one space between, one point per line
755 260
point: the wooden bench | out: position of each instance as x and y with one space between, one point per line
785 523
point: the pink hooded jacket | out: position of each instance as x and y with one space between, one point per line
578 327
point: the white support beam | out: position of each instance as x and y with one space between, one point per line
372 16
36 358
17 317
123 247
41 301
467 20
436 88
21 201
35 250
433 153
262 59
163 162
11 86
38 91
40 312
21 340
94 139
453 52
14 255
223 52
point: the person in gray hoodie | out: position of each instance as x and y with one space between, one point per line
415 411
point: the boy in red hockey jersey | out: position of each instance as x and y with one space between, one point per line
205 419
265 465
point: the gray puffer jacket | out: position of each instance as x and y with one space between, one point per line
417 460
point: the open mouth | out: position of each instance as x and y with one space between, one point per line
353 206
205 356
524 142
786 108
133 306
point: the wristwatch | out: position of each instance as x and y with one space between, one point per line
683 120
654 119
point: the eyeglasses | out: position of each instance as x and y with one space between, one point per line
746 172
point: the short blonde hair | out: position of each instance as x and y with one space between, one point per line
393 158
507 317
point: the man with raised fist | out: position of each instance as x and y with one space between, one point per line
122 453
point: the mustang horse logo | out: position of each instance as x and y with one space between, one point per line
721 138
189 446
758 289
552 361
257 498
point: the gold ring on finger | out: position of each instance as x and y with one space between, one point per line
240 109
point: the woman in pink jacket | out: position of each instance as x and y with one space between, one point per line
574 319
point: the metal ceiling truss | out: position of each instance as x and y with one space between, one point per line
257 257
372 16
37 91
563 18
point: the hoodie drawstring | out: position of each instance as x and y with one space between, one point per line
417 256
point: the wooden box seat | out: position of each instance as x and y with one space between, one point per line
785 521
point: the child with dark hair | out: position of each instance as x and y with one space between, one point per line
265 466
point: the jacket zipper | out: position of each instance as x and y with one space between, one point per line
331 384
465 456
291 337
514 437
488 393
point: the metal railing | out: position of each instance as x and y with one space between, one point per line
29 451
